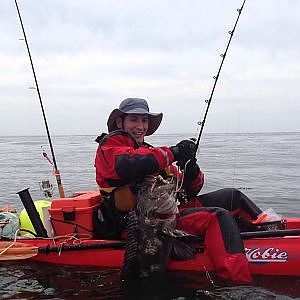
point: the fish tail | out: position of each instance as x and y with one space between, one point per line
130 265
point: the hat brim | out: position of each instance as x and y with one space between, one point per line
154 119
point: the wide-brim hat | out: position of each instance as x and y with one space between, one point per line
134 106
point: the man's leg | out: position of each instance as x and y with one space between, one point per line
222 239
230 199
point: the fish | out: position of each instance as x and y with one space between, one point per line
151 230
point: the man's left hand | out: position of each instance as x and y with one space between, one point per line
192 170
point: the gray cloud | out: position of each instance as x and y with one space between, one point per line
89 55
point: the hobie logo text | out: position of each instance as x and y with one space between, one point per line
265 255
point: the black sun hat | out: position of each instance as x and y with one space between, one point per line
134 106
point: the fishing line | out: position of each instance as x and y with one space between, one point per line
56 171
202 123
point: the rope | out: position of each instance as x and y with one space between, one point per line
9 246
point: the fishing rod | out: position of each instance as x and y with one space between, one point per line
231 32
56 171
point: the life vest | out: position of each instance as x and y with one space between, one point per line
123 197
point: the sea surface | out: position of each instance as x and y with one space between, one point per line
265 166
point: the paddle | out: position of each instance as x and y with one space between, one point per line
270 233
24 251
79 247
249 235
16 251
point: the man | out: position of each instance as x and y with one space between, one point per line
123 157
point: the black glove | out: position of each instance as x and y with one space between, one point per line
192 170
183 151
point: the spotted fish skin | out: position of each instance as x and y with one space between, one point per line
148 244
154 249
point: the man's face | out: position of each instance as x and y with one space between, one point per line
136 125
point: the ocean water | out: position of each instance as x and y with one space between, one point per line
265 166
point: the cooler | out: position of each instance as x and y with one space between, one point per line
74 215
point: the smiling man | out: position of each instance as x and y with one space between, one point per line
134 117
136 125
124 160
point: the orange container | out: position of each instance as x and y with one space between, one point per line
74 215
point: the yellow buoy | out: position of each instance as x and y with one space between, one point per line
25 222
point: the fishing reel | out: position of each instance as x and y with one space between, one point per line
47 188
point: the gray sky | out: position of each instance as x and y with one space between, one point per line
91 54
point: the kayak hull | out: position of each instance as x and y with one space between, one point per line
266 256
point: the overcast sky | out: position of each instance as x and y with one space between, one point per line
91 54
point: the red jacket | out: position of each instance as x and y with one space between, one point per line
119 160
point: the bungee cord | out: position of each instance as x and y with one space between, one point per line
56 171
216 77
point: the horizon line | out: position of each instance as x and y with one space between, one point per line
158 134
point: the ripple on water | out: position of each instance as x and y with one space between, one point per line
39 281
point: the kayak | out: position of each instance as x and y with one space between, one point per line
270 252
266 255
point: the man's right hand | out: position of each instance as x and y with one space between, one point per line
183 151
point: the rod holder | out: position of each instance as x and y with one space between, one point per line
32 213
